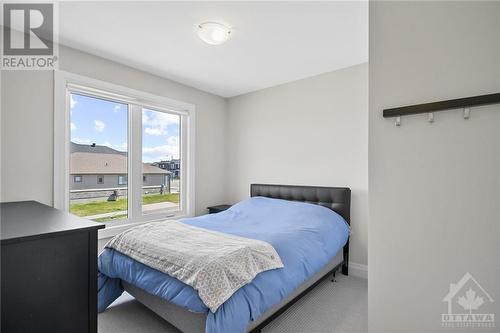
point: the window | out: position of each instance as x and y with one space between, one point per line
160 139
98 144
122 134
122 180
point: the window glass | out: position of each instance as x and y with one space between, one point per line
160 151
98 147
122 180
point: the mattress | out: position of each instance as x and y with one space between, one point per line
191 322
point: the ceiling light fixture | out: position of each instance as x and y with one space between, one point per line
213 33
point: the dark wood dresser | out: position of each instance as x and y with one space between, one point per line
48 270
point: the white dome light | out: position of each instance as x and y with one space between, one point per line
213 33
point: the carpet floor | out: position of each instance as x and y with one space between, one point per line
336 307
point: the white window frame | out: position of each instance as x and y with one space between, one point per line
66 83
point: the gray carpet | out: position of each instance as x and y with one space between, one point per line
329 308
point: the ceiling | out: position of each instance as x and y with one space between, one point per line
271 43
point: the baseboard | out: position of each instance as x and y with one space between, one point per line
358 270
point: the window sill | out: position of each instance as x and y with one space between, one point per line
111 231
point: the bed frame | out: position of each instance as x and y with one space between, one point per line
337 199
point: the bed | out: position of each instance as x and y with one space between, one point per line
188 319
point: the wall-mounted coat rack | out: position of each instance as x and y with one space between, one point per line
429 108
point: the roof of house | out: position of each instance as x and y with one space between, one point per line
97 149
101 160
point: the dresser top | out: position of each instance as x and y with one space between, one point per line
25 220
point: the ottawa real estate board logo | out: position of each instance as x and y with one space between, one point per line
467 301
28 36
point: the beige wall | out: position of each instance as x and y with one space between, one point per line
310 132
434 188
27 127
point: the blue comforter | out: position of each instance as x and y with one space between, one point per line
305 236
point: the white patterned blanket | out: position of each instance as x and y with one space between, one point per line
213 263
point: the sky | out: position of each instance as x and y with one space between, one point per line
104 123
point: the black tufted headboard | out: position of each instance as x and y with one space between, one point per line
337 199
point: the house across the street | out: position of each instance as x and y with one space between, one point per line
173 165
94 167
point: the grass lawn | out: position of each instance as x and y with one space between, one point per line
155 198
100 207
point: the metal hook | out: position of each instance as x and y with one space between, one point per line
430 117
398 121
466 113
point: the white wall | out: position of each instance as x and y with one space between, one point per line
434 188
308 132
27 131
27 127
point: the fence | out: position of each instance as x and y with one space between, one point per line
106 192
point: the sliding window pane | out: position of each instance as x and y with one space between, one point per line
161 162
98 160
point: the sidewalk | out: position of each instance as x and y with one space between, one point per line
145 208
